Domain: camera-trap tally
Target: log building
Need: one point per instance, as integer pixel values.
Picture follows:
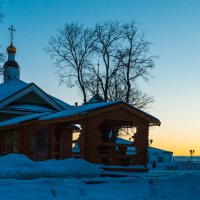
(42, 127)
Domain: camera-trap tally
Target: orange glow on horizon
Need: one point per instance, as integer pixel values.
(178, 142)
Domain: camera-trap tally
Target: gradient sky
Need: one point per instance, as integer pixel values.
(172, 25)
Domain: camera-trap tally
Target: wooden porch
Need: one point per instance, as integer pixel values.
(99, 128)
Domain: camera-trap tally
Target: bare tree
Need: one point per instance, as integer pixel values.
(137, 98)
(108, 35)
(71, 50)
(2, 58)
(136, 60)
(124, 55)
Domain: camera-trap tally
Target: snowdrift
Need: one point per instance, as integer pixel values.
(17, 166)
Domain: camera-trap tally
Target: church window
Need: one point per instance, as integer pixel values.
(11, 140)
(2, 143)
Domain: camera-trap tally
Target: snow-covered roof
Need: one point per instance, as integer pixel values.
(156, 150)
(95, 99)
(123, 141)
(78, 110)
(11, 87)
(14, 89)
(150, 149)
(30, 107)
(86, 108)
(21, 119)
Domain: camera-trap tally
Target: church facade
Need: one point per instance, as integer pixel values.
(42, 127)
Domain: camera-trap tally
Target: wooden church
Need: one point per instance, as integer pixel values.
(42, 127)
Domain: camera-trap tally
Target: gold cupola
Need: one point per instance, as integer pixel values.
(11, 69)
(11, 49)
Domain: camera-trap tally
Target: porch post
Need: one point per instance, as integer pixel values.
(51, 140)
(83, 139)
(141, 144)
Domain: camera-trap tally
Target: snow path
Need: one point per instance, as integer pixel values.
(183, 186)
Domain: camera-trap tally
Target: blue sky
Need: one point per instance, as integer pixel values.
(172, 25)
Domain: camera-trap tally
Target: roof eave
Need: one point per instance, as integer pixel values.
(80, 116)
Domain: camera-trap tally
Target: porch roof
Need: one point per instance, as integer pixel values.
(18, 120)
(80, 112)
(77, 113)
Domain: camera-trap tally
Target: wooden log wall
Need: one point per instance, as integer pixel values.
(34, 141)
(59, 137)
(141, 144)
(91, 136)
(60, 143)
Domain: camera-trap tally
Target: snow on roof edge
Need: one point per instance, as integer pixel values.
(11, 87)
(21, 119)
(88, 107)
(78, 110)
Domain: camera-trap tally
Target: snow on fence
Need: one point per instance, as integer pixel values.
(188, 165)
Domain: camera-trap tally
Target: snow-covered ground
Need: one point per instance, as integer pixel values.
(17, 166)
(157, 184)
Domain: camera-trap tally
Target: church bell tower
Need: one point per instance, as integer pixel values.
(11, 69)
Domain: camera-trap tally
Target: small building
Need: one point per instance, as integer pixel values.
(159, 155)
(154, 154)
(41, 126)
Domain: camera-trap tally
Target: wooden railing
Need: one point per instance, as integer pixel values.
(111, 153)
(188, 165)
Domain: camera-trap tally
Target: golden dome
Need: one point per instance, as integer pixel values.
(11, 49)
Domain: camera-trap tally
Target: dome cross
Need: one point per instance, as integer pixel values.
(12, 30)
